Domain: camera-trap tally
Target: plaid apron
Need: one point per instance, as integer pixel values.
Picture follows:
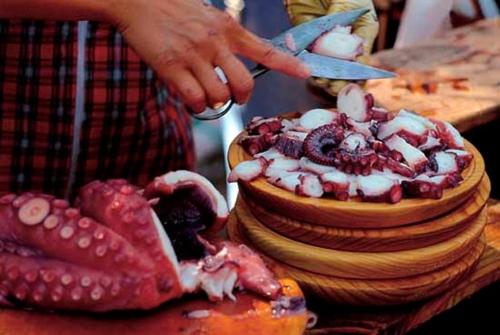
(77, 104)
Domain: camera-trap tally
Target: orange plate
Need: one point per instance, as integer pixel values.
(249, 315)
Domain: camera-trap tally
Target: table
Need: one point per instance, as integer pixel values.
(455, 77)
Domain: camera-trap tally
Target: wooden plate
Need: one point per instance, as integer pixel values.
(417, 235)
(372, 292)
(359, 265)
(354, 213)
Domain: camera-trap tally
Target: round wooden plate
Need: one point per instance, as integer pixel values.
(417, 235)
(354, 213)
(359, 265)
(372, 292)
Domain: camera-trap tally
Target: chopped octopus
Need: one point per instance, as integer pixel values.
(358, 150)
(121, 247)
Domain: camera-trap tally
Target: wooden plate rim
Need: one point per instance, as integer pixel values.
(348, 264)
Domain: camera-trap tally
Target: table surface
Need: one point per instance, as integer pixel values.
(455, 77)
(276, 94)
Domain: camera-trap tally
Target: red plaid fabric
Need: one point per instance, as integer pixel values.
(132, 127)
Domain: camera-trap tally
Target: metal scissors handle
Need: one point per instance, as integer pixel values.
(216, 113)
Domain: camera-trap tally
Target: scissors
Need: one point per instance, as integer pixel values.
(320, 66)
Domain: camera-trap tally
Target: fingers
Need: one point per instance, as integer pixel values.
(239, 79)
(216, 91)
(252, 47)
(187, 86)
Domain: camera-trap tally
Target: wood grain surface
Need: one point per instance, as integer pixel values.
(401, 319)
(413, 236)
(381, 292)
(454, 77)
(349, 214)
(359, 265)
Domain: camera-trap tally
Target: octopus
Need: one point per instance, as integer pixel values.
(358, 150)
(339, 42)
(120, 247)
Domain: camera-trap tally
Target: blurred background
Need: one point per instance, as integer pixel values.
(402, 23)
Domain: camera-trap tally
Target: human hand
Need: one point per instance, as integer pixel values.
(366, 27)
(183, 40)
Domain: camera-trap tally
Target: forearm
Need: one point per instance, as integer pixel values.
(96, 10)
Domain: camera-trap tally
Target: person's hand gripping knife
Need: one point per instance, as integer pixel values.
(366, 27)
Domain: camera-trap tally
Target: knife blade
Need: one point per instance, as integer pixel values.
(334, 68)
(306, 33)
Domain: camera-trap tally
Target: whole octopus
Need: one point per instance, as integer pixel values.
(121, 247)
(358, 150)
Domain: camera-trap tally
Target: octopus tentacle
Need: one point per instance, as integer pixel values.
(320, 144)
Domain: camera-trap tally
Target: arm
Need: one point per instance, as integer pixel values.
(94, 10)
(182, 40)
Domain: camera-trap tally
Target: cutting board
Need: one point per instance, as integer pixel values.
(249, 315)
(455, 77)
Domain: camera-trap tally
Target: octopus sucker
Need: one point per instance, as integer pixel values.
(361, 140)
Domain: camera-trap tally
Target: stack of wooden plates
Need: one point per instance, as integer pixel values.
(362, 253)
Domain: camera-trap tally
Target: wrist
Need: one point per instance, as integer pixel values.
(120, 12)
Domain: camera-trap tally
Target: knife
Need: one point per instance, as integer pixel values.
(320, 66)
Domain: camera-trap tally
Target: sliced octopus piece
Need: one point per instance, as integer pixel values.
(424, 121)
(412, 130)
(443, 162)
(307, 165)
(449, 135)
(269, 154)
(261, 126)
(254, 144)
(431, 144)
(248, 170)
(355, 103)
(464, 158)
(424, 186)
(338, 44)
(336, 183)
(375, 188)
(290, 144)
(316, 118)
(414, 158)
